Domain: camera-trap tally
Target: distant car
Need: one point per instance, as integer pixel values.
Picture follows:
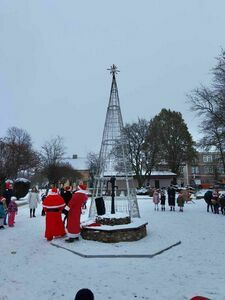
(142, 191)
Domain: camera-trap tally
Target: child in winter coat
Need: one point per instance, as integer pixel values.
(215, 201)
(180, 200)
(12, 211)
(162, 199)
(3, 210)
(156, 199)
(43, 196)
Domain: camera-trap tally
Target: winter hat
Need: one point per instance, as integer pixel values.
(82, 187)
(8, 185)
(2, 199)
(84, 294)
(54, 190)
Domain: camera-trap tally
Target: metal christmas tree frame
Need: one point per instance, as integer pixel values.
(114, 180)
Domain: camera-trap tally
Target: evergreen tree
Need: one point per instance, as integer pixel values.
(175, 143)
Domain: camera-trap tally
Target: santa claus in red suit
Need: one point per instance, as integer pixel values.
(53, 205)
(74, 212)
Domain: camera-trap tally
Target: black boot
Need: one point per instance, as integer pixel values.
(30, 213)
(34, 213)
(71, 240)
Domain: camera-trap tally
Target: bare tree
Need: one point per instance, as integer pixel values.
(140, 153)
(93, 165)
(17, 153)
(151, 148)
(52, 151)
(60, 173)
(51, 158)
(209, 105)
(214, 138)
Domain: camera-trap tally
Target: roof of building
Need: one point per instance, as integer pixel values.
(80, 163)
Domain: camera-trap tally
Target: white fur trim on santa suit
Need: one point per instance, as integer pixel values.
(52, 193)
(82, 191)
(73, 235)
(57, 206)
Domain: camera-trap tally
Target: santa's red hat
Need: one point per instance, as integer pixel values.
(82, 187)
(54, 190)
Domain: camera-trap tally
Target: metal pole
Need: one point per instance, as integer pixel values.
(113, 181)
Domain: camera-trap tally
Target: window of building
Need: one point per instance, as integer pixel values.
(182, 169)
(208, 169)
(220, 170)
(207, 158)
(217, 157)
(195, 170)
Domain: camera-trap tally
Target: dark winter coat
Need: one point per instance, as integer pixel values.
(208, 197)
(8, 193)
(67, 195)
(162, 199)
(171, 196)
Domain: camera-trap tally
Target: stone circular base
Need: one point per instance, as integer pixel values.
(114, 236)
(113, 221)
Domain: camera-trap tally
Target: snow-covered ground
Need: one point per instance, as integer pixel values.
(32, 268)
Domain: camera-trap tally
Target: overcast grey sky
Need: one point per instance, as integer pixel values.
(54, 57)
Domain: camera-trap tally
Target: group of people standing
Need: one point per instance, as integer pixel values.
(216, 200)
(55, 204)
(159, 197)
(8, 207)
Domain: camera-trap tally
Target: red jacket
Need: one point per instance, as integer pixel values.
(53, 205)
(75, 204)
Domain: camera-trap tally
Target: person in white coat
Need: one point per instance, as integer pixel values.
(33, 200)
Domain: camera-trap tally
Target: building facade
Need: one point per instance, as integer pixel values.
(206, 171)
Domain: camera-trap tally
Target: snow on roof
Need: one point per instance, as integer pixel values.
(163, 173)
(79, 163)
(22, 180)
